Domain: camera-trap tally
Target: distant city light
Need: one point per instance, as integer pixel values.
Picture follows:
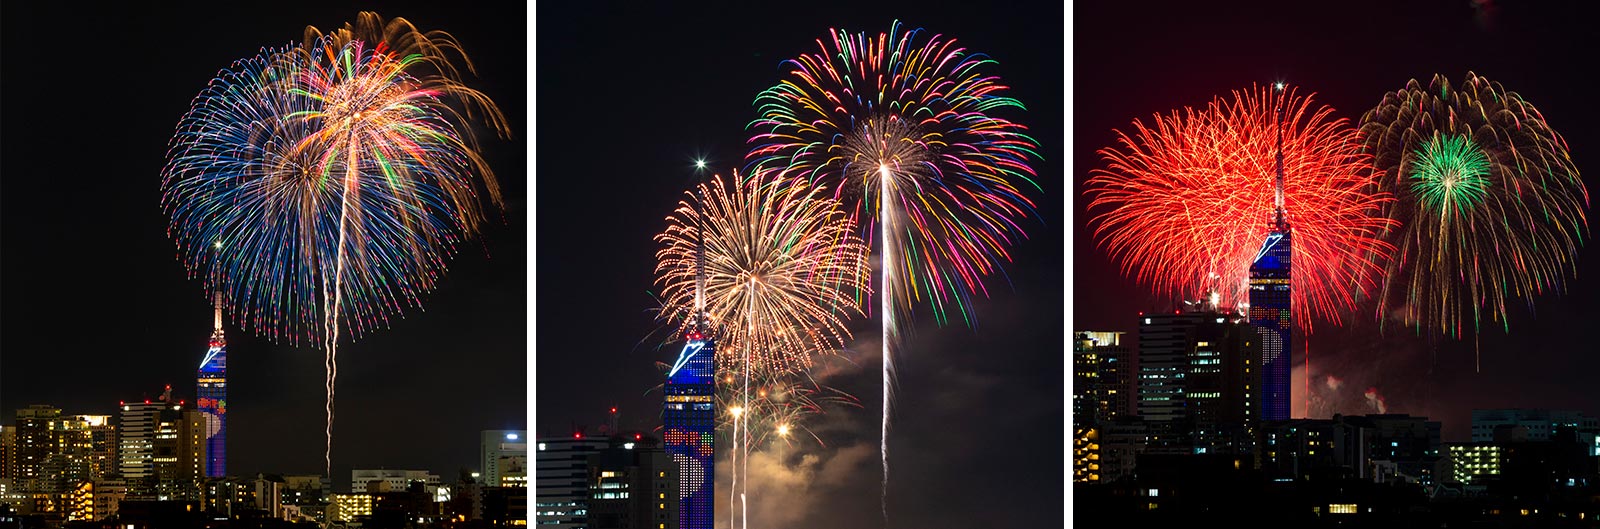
(511, 436)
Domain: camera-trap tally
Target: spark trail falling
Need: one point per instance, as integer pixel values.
(772, 268)
(1490, 209)
(337, 179)
(899, 125)
(1182, 203)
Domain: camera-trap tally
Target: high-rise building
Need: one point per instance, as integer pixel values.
(633, 484)
(1199, 381)
(211, 391)
(504, 458)
(1103, 385)
(689, 420)
(561, 492)
(70, 461)
(8, 457)
(103, 443)
(1270, 313)
(1164, 345)
(140, 424)
(34, 443)
(179, 453)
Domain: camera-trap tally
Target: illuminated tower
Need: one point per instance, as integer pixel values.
(212, 390)
(1269, 301)
(689, 416)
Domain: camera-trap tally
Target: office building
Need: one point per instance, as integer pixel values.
(142, 422)
(211, 392)
(503, 458)
(1199, 381)
(1104, 374)
(689, 422)
(1529, 424)
(386, 480)
(633, 484)
(8, 457)
(1473, 463)
(561, 490)
(108, 494)
(103, 441)
(70, 459)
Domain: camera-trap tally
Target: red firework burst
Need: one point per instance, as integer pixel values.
(1185, 206)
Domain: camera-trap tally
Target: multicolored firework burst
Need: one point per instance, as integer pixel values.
(322, 187)
(772, 268)
(902, 125)
(1491, 208)
(1184, 204)
(782, 266)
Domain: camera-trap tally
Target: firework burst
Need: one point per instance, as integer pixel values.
(782, 266)
(1184, 203)
(1490, 207)
(321, 188)
(900, 126)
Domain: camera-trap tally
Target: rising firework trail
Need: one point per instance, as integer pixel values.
(1180, 201)
(337, 176)
(772, 268)
(899, 125)
(1491, 208)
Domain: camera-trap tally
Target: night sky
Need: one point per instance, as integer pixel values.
(629, 98)
(1132, 61)
(97, 307)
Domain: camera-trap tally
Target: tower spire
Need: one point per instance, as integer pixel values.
(700, 251)
(216, 321)
(1277, 198)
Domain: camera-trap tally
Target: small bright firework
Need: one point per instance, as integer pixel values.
(1185, 204)
(323, 187)
(1491, 208)
(782, 264)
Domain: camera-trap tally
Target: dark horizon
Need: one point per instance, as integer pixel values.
(98, 308)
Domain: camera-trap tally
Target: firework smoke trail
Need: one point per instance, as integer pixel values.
(335, 178)
(920, 106)
(1491, 207)
(886, 217)
(1187, 198)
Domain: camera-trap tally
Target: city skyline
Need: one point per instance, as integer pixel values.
(1348, 56)
(102, 279)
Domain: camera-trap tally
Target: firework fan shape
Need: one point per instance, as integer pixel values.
(326, 164)
(915, 111)
(1185, 204)
(1491, 209)
(782, 264)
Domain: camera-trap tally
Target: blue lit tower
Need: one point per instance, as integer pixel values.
(1269, 301)
(212, 389)
(689, 416)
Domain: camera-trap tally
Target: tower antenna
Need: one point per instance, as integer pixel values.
(700, 251)
(1277, 198)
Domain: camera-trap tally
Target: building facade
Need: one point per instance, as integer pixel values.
(366, 481)
(504, 458)
(633, 484)
(34, 441)
(561, 490)
(211, 391)
(1104, 373)
(689, 420)
(1529, 424)
(1270, 312)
